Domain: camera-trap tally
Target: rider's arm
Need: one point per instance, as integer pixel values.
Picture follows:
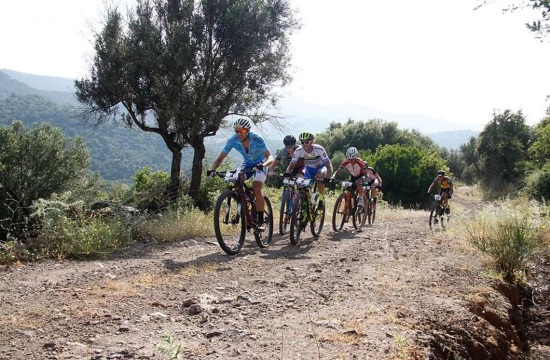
(268, 159)
(218, 161)
(274, 165)
(328, 164)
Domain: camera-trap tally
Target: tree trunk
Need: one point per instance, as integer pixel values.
(196, 172)
(174, 188)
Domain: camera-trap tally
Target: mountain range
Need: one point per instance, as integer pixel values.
(117, 153)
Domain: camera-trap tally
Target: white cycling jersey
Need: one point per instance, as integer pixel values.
(314, 159)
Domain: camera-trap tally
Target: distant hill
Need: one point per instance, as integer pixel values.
(453, 139)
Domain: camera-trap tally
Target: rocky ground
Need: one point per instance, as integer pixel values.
(394, 291)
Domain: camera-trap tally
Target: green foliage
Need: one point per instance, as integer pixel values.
(510, 234)
(540, 148)
(34, 164)
(502, 150)
(70, 231)
(368, 135)
(169, 348)
(537, 184)
(407, 172)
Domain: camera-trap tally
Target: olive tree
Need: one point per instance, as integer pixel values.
(179, 68)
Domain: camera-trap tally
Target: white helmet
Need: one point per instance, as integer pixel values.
(352, 153)
(242, 123)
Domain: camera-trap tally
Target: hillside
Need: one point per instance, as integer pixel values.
(116, 153)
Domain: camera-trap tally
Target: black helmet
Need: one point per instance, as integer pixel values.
(441, 172)
(289, 140)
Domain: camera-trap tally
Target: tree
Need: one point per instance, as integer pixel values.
(540, 27)
(540, 148)
(178, 68)
(502, 150)
(35, 164)
(406, 172)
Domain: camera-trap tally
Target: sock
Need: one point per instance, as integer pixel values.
(260, 217)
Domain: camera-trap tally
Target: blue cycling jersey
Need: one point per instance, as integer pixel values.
(255, 153)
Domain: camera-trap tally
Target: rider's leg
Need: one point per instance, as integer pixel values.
(257, 184)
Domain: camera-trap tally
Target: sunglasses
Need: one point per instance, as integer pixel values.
(289, 147)
(240, 131)
(306, 142)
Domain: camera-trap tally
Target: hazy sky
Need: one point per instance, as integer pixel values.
(429, 57)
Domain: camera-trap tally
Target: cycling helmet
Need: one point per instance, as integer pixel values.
(441, 172)
(352, 153)
(242, 123)
(305, 136)
(289, 140)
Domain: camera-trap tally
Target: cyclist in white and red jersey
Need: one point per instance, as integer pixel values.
(361, 171)
(318, 165)
(357, 169)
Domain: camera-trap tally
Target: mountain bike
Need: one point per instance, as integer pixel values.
(305, 210)
(370, 208)
(440, 213)
(287, 200)
(347, 206)
(235, 214)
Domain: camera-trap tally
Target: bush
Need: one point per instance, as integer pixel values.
(537, 184)
(510, 235)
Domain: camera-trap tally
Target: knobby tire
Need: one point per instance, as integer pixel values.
(231, 234)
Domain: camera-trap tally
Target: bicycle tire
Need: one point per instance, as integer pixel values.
(316, 225)
(339, 213)
(229, 236)
(285, 212)
(359, 217)
(297, 221)
(263, 239)
(433, 215)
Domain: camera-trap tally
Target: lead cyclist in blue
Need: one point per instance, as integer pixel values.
(255, 154)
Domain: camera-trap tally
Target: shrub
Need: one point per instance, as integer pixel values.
(510, 235)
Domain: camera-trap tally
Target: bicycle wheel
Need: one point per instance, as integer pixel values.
(298, 219)
(360, 215)
(263, 238)
(444, 218)
(285, 212)
(339, 213)
(434, 215)
(318, 217)
(229, 222)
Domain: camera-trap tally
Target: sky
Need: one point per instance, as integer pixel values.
(436, 58)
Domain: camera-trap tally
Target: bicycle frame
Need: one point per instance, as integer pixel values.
(244, 192)
(287, 203)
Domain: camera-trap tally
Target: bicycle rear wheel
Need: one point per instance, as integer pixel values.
(263, 238)
(229, 222)
(298, 219)
(339, 213)
(318, 217)
(285, 212)
(360, 215)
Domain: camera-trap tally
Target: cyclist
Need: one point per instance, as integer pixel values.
(374, 181)
(445, 189)
(286, 153)
(255, 154)
(357, 168)
(317, 163)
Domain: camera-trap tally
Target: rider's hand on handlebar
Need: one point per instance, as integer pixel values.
(287, 175)
(210, 173)
(326, 180)
(260, 166)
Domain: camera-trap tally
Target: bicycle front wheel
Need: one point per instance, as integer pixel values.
(263, 238)
(318, 218)
(360, 215)
(433, 215)
(339, 213)
(285, 212)
(298, 219)
(229, 222)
